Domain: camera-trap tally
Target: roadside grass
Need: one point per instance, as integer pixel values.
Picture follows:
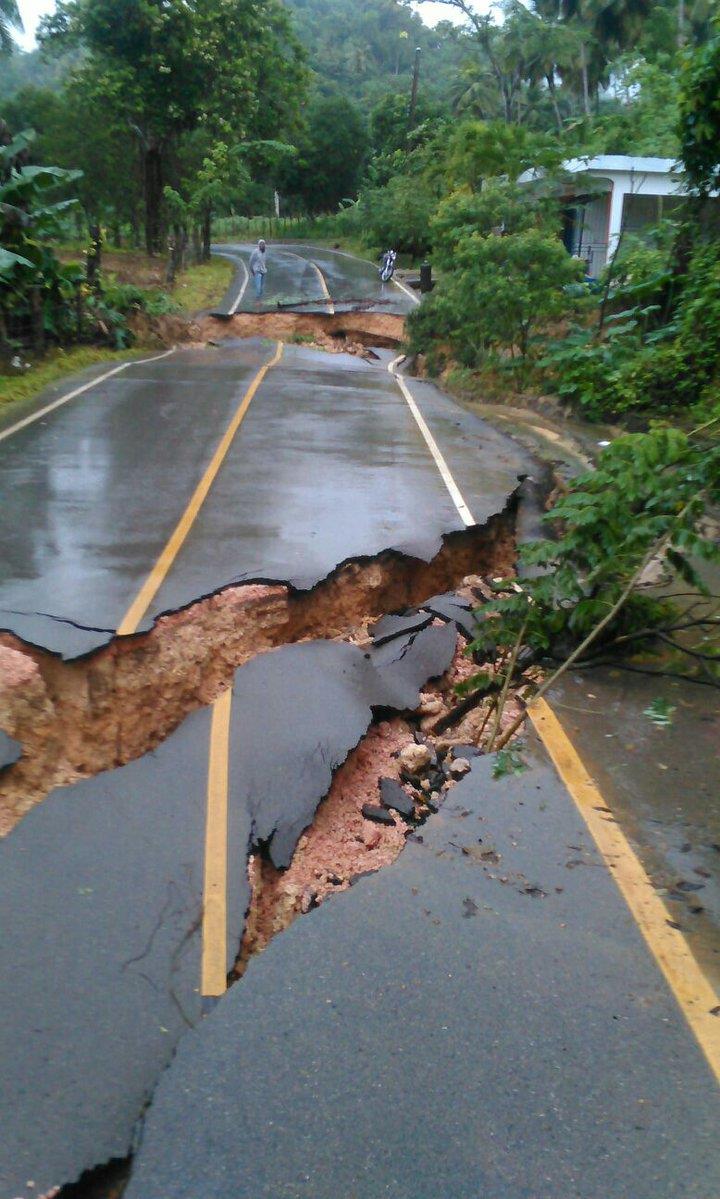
(196, 287)
(24, 385)
(202, 286)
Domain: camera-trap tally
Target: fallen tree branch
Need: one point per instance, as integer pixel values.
(658, 547)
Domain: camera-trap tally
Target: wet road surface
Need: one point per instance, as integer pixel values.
(663, 782)
(455, 1025)
(326, 465)
(314, 279)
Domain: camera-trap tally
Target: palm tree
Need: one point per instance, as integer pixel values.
(9, 19)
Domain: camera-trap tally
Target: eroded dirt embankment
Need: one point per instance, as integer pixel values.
(75, 719)
(346, 332)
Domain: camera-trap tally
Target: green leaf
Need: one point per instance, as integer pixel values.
(660, 712)
(509, 762)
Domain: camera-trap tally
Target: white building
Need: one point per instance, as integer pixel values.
(614, 191)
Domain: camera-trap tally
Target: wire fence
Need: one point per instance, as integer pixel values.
(278, 228)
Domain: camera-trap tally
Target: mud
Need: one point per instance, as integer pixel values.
(339, 845)
(77, 718)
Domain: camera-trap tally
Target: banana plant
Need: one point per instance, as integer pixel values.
(28, 218)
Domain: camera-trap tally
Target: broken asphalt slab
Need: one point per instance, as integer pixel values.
(537, 1053)
(102, 893)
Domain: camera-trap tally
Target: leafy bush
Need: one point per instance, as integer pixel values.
(503, 290)
(500, 206)
(398, 215)
(27, 219)
(648, 494)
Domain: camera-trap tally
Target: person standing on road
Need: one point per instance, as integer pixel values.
(258, 268)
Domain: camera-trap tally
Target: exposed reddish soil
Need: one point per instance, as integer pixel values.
(370, 328)
(78, 718)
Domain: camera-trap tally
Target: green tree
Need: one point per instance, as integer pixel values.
(501, 207)
(170, 66)
(9, 20)
(69, 134)
(700, 116)
(331, 155)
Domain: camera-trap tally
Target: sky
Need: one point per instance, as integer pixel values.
(32, 10)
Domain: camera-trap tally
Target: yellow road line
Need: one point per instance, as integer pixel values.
(157, 575)
(692, 990)
(324, 288)
(214, 922)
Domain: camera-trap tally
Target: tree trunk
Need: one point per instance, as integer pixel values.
(176, 246)
(153, 184)
(206, 234)
(196, 236)
(553, 96)
(94, 259)
(585, 84)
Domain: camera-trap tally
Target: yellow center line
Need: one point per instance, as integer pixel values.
(157, 575)
(214, 922)
(324, 288)
(692, 990)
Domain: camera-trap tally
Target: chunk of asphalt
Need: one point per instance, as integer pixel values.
(465, 751)
(390, 627)
(100, 964)
(10, 750)
(552, 986)
(392, 795)
(377, 814)
(405, 665)
(66, 638)
(452, 607)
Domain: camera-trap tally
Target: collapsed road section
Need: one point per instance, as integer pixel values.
(145, 882)
(478, 1019)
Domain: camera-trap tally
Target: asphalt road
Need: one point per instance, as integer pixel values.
(314, 279)
(327, 464)
(459, 1024)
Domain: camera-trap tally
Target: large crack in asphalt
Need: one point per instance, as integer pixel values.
(76, 718)
(106, 847)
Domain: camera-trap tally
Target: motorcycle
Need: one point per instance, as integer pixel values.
(387, 266)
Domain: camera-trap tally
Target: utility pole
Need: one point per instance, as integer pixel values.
(414, 91)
